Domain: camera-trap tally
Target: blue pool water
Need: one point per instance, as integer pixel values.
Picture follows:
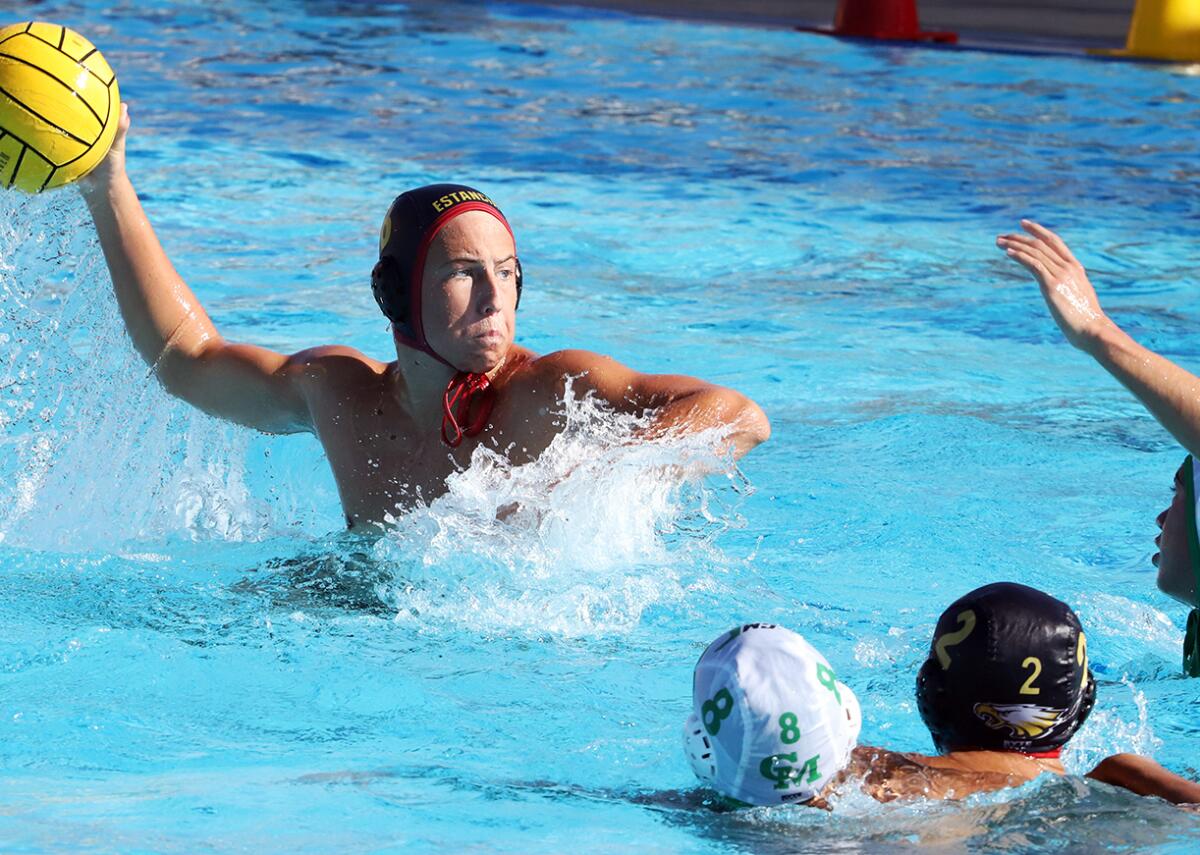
(193, 656)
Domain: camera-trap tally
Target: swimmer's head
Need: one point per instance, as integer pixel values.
(1177, 559)
(770, 722)
(1007, 671)
(448, 277)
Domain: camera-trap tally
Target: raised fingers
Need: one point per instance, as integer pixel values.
(1017, 239)
(1024, 247)
(1051, 239)
(1033, 262)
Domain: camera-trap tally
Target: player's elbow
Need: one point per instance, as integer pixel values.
(747, 418)
(181, 371)
(174, 371)
(758, 426)
(750, 425)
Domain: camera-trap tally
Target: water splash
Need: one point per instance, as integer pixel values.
(581, 541)
(95, 452)
(1107, 732)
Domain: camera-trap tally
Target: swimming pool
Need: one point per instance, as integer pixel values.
(193, 656)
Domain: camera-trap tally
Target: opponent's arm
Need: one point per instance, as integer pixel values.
(678, 402)
(1143, 776)
(170, 329)
(1171, 394)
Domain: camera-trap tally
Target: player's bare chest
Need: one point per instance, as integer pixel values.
(380, 453)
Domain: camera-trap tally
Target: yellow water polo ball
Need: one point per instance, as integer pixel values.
(59, 106)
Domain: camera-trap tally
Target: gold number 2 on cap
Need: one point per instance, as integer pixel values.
(1027, 688)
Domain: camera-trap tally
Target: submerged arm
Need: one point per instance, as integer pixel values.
(170, 329)
(1171, 394)
(677, 402)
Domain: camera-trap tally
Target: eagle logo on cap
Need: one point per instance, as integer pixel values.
(1027, 721)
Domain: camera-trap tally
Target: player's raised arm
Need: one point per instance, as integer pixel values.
(678, 402)
(1171, 394)
(170, 329)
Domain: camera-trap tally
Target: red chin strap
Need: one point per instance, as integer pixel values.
(462, 390)
(1046, 755)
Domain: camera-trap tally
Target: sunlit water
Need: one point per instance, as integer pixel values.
(193, 655)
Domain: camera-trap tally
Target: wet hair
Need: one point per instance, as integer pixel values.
(1008, 671)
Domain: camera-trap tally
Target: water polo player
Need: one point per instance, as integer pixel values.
(1007, 684)
(770, 723)
(449, 279)
(1005, 687)
(1171, 394)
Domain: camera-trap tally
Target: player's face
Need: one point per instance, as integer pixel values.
(469, 296)
(1174, 559)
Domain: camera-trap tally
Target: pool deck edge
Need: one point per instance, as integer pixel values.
(1054, 26)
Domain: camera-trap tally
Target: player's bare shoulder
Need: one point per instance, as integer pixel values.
(333, 363)
(554, 371)
(335, 373)
(528, 380)
(574, 361)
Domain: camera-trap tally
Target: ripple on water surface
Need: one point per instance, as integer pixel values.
(190, 658)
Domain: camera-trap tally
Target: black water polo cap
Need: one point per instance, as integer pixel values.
(1007, 671)
(411, 224)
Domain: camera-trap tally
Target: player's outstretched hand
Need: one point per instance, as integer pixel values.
(1065, 287)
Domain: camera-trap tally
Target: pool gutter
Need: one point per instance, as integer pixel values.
(1021, 26)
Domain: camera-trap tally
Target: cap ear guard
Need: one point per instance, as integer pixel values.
(699, 750)
(932, 702)
(853, 715)
(385, 285)
(1085, 703)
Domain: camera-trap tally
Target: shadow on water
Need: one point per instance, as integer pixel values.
(348, 578)
(1054, 815)
(158, 612)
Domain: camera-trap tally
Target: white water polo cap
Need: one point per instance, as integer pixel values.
(770, 724)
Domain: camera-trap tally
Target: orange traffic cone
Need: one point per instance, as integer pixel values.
(893, 20)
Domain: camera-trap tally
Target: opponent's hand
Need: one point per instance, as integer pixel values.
(1065, 287)
(113, 164)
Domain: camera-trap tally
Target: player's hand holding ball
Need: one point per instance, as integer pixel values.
(60, 107)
